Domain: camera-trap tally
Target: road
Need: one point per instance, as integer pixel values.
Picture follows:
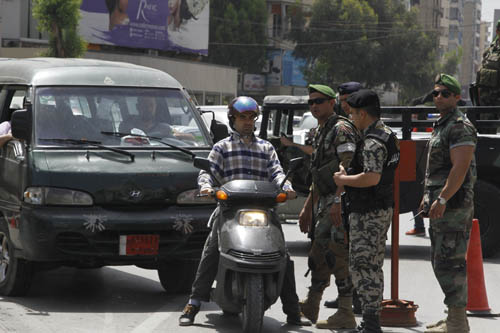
(130, 299)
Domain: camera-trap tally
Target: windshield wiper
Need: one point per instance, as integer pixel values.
(154, 138)
(93, 143)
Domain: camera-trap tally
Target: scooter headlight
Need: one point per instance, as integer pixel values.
(253, 218)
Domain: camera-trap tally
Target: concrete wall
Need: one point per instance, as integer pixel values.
(20, 52)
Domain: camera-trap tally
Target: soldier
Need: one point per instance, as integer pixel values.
(334, 144)
(448, 199)
(345, 89)
(368, 184)
(342, 109)
(488, 79)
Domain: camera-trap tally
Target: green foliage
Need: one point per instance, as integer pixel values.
(238, 34)
(60, 19)
(451, 61)
(376, 42)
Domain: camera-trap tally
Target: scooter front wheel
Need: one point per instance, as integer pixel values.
(253, 308)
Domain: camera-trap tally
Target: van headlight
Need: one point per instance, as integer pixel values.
(52, 196)
(253, 218)
(191, 197)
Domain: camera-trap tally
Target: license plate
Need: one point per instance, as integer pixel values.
(139, 245)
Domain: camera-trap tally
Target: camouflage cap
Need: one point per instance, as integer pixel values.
(322, 89)
(449, 82)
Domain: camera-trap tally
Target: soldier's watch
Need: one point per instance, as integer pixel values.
(442, 201)
(336, 199)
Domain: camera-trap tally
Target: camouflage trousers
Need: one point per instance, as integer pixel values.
(329, 255)
(367, 249)
(448, 250)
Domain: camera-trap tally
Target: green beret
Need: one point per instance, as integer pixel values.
(449, 82)
(325, 90)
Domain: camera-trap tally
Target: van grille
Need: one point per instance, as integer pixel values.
(264, 257)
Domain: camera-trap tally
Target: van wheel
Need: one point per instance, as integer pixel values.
(15, 274)
(177, 276)
(487, 211)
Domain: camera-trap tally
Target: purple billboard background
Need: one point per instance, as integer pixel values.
(143, 26)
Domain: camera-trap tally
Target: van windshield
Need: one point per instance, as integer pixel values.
(85, 112)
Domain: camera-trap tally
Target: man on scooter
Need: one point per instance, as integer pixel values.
(239, 156)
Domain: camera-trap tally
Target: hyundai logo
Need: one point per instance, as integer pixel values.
(134, 194)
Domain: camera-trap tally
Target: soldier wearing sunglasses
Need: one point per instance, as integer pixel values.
(334, 144)
(448, 200)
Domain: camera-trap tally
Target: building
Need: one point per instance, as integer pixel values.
(282, 73)
(484, 35)
(471, 44)
(207, 83)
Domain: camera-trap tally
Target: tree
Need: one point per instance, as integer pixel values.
(376, 42)
(60, 19)
(238, 34)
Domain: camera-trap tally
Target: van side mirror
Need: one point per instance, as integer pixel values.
(219, 130)
(21, 125)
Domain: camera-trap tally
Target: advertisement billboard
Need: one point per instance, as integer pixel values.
(178, 25)
(254, 82)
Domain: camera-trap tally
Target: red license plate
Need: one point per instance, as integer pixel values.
(139, 245)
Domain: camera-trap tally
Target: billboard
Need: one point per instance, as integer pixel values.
(178, 25)
(254, 82)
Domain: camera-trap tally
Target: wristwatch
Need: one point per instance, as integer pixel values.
(336, 199)
(442, 201)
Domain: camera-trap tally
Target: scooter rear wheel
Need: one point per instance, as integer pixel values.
(253, 309)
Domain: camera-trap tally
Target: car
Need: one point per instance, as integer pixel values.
(97, 173)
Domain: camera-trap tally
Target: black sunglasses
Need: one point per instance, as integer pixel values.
(318, 101)
(445, 93)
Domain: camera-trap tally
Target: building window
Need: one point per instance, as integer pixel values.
(212, 99)
(277, 19)
(227, 98)
(197, 97)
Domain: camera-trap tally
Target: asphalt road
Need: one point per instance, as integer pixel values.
(130, 299)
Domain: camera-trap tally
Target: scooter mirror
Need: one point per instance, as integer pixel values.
(202, 163)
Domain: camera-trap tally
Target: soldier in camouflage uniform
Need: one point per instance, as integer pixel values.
(368, 184)
(488, 79)
(334, 144)
(448, 200)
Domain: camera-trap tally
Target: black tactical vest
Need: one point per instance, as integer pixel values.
(380, 196)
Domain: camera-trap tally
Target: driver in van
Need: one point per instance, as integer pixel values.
(147, 119)
(240, 156)
(148, 122)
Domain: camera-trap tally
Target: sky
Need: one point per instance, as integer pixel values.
(487, 10)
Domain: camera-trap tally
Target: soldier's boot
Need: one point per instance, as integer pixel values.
(356, 302)
(310, 306)
(370, 324)
(438, 323)
(457, 320)
(343, 318)
(455, 323)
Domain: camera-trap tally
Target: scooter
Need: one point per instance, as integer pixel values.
(252, 254)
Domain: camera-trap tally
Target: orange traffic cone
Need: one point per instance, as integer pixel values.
(477, 300)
